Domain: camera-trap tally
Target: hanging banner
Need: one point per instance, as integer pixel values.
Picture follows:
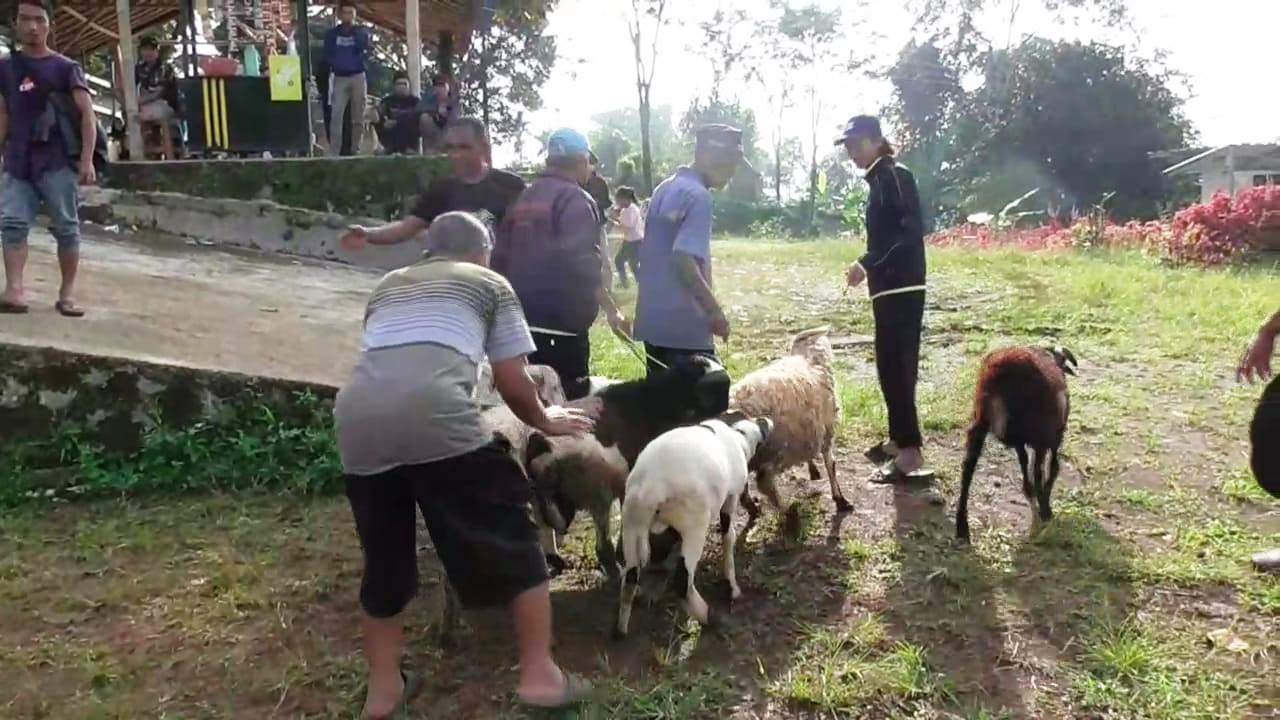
(286, 78)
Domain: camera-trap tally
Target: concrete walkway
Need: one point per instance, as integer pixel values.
(163, 300)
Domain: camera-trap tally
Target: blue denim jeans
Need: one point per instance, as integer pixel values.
(20, 202)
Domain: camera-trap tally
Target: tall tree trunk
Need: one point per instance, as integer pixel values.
(777, 171)
(813, 155)
(484, 78)
(646, 151)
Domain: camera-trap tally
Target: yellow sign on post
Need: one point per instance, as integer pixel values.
(286, 78)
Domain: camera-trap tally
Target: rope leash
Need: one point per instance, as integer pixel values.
(627, 341)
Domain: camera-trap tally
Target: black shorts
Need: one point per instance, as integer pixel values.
(476, 508)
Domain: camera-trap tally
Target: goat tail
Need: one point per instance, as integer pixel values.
(637, 517)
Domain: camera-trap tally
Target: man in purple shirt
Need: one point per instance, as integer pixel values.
(677, 315)
(38, 166)
(549, 248)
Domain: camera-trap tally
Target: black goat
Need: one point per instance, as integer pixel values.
(1022, 398)
(569, 474)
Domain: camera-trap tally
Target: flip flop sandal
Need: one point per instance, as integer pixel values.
(576, 689)
(413, 685)
(67, 308)
(8, 308)
(878, 454)
(893, 475)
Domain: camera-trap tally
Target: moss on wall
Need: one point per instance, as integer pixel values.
(382, 187)
(115, 401)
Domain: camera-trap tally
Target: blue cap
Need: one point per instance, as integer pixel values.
(860, 126)
(565, 142)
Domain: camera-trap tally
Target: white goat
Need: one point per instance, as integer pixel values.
(681, 481)
(798, 392)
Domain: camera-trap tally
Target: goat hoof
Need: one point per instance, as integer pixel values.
(843, 506)
(617, 634)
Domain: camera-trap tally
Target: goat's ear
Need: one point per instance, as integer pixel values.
(537, 446)
(766, 429)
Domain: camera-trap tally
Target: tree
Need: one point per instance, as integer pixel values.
(1077, 120)
(809, 45)
(786, 156)
(644, 26)
(727, 112)
(611, 146)
(502, 75)
(927, 97)
(729, 46)
(666, 150)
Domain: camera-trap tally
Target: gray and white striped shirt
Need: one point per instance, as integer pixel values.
(409, 399)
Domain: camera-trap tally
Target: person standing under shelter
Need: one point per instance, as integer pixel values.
(157, 92)
(346, 47)
(894, 269)
(473, 187)
(549, 247)
(40, 164)
(677, 314)
(410, 433)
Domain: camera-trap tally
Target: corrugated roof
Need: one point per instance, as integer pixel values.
(82, 26)
(1247, 149)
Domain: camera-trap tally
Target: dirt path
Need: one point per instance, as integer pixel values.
(161, 299)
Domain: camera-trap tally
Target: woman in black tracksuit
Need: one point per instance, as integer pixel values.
(894, 270)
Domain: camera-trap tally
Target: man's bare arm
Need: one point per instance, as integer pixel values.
(690, 276)
(88, 134)
(397, 232)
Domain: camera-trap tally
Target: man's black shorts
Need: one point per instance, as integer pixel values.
(476, 507)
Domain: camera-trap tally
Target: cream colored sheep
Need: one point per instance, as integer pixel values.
(798, 392)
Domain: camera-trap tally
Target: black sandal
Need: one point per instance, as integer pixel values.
(68, 308)
(879, 454)
(8, 308)
(893, 475)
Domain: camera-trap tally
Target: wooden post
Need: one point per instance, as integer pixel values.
(413, 43)
(302, 30)
(133, 128)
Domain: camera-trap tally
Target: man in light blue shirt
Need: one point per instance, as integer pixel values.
(677, 314)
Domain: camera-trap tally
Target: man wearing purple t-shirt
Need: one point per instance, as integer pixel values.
(37, 166)
(677, 314)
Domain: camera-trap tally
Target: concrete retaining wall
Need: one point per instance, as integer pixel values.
(253, 224)
(382, 187)
(43, 391)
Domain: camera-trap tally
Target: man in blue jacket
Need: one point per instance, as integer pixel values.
(345, 47)
(549, 248)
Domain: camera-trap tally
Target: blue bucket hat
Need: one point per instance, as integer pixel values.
(860, 126)
(566, 142)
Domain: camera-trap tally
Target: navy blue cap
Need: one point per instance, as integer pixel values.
(860, 126)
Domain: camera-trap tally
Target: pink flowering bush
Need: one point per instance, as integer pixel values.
(1207, 234)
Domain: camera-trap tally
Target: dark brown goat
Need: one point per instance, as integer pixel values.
(1022, 399)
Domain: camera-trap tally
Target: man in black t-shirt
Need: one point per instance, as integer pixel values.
(472, 187)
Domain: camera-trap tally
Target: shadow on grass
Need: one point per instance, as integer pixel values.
(1002, 617)
(669, 666)
(946, 602)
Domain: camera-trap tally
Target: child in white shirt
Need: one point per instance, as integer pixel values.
(628, 216)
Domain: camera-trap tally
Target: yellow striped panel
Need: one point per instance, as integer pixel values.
(207, 100)
(222, 111)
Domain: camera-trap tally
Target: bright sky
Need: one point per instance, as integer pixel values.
(1225, 48)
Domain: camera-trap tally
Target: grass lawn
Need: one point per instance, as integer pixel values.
(1137, 601)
